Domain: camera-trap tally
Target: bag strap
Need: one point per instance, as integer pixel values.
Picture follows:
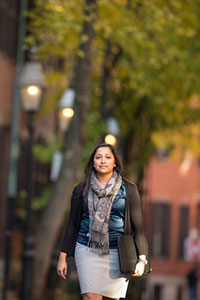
(127, 223)
(127, 226)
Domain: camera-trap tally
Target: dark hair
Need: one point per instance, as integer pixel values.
(89, 166)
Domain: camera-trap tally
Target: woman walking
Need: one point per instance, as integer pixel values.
(96, 221)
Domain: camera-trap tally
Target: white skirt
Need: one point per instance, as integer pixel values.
(100, 274)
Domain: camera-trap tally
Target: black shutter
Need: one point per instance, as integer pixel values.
(183, 228)
(160, 222)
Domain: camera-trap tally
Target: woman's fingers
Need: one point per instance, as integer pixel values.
(62, 273)
(62, 270)
(139, 270)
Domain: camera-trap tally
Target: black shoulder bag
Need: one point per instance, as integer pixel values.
(128, 254)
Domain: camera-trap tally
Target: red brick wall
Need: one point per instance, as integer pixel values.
(7, 71)
(176, 183)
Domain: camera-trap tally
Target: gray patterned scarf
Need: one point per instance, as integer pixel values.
(100, 202)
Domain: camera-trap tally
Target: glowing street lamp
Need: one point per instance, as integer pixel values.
(113, 131)
(66, 111)
(31, 84)
(110, 139)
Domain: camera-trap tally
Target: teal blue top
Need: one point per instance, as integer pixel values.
(116, 222)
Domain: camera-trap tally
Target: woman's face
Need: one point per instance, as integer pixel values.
(104, 160)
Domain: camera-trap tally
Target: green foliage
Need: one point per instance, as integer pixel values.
(55, 25)
(44, 153)
(56, 86)
(39, 203)
(156, 76)
(20, 207)
(96, 128)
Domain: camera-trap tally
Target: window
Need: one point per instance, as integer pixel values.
(160, 229)
(198, 216)
(179, 293)
(157, 292)
(8, 26)
(183, 228)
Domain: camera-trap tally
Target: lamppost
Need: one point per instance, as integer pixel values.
(66, 112)
(31, 83)
(113, 131)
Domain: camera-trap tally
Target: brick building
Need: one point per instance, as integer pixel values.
(171, 208)
(9, 11)
(9, 43)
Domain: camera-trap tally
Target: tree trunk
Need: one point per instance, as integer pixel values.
(53, 216)
(137, 144)
(109, 63)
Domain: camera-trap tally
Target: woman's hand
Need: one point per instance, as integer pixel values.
(62, 265)
(139, 269)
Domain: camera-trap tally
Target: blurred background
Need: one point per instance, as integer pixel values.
(75, 73)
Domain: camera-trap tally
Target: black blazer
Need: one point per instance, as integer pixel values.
(70, 236)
